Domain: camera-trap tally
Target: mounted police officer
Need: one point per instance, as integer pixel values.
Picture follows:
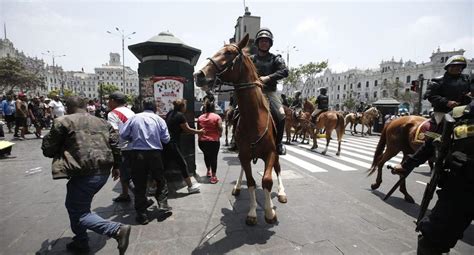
(297, 104)
(451, 89)
(454, 210)
(323, 103)
(271, 68)
(361, 108)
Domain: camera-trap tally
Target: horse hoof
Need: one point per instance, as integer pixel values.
(282, 199)
(323, 152)
(409, 199)
(338, 154)
(226, 144)
(374, 186)
(314, 147)
(271, 221)
(251, 221)
(236, 192)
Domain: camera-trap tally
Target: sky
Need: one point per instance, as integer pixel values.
(347, 33)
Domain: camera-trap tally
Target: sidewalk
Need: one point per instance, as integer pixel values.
(318, 218)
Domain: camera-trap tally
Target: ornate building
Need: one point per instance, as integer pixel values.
(391, 79)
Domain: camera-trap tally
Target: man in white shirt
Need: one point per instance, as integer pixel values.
(118, 115)
(57, 108)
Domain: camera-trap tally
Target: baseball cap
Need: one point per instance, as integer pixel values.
(118, 97)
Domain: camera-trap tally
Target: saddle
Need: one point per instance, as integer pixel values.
(426, 130)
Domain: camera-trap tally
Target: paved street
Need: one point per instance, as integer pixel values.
(330, 209)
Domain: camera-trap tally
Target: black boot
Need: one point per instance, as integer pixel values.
(280, 130)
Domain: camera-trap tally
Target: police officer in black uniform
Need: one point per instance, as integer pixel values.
(361, 107)
(271, 68)
(454, 210)
(323, 103)
(451, 89)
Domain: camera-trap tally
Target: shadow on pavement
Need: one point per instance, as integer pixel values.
(236, 234)
(400, 204)
(58, 246)
(232, 161)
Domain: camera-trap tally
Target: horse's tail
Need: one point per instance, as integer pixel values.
(378, 151)
(340, 124)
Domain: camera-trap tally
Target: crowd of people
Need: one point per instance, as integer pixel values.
(135, 147)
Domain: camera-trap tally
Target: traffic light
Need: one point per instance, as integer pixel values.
(414, 85)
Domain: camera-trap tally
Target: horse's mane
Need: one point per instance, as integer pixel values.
(252, 69)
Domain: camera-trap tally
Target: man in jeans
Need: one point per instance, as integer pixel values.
(85, 149)
(146, 133)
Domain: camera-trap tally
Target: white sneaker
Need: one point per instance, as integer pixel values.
(194, 188)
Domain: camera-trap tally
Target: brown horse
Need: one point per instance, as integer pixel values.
(398, 135)
(329, 121)
(255, 135)
(367, 118)
(291, 122)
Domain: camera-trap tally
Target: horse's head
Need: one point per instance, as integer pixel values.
(226, 66)
(373, 112)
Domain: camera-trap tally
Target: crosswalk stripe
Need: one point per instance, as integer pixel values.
(322, 159)
(344, 158)
(303, 164)
(356, 152)
(362, 140)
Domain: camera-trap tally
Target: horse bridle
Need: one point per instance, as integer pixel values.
(220, 70)
(238, 86)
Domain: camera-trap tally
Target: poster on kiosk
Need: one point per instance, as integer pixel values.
(165, 90)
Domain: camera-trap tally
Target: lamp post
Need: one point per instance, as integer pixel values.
(287, 52)
(123, 35)
(52, 55)
(100, 92)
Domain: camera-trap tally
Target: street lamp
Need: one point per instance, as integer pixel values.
(287, 52)
(121, 33)
(100, 92)
(52, 55)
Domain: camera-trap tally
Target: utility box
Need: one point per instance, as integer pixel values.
(385, 106)
(166, 73)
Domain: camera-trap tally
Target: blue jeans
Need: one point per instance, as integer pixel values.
(80, 191)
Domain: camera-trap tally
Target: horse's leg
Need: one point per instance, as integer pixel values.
(252, 215)
(355, 125)
(340, 132)
(226, 133)
(315, 133)
(281, 189)
(328, 140)
(267, 184)
(386, 156)
(403, 187)
(238, 183)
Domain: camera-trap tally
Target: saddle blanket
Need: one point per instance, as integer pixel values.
(426, 129)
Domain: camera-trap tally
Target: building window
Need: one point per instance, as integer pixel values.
(245, 28)
(408, 78)
(384, 93)
(367, 84)
(397, 79)
(344, 86)
(338, 87)
(337, 96)
(351, 85)
(375, 94)
(375, 83)
(358, 85)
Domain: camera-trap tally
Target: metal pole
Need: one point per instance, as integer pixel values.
(123, 63)
(420, 92)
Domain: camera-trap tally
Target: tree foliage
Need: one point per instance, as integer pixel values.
(55, 92)
(107, 89)
(310, 70)
(14, 75)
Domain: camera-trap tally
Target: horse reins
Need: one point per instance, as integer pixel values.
(236, 87)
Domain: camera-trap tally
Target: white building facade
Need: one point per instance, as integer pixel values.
(370, 85)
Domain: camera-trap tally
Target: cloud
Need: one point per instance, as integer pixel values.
(338, 67)
(427, 27)
(466, 43)
(315, 29)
